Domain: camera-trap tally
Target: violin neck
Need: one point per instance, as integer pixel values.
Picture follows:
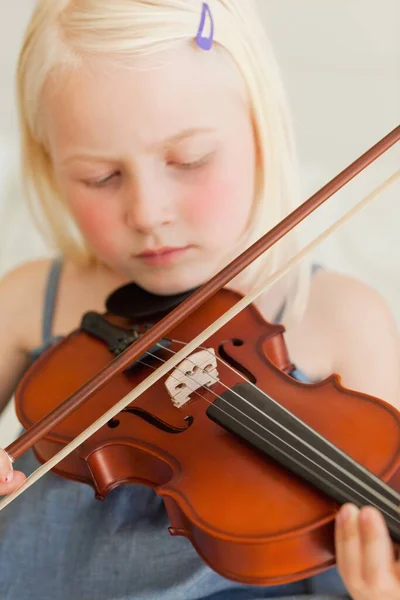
(266, 425)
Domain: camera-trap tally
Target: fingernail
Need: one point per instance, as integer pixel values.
(342, 514)
(9, 477)
(367, 513)
(346, 513)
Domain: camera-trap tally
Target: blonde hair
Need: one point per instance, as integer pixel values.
(62, 31)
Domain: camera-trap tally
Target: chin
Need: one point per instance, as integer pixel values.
(168, 286)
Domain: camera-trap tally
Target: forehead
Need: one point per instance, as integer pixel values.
(142, 99)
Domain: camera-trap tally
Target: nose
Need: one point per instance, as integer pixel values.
(148, 206)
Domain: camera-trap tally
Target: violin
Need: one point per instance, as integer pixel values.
(192, 395)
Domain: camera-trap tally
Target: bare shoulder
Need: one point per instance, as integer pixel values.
(21, 300)
(349, 301)
(23, 292)
(362, 334)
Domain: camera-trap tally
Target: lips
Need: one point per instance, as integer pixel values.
(162, 256)
(159, 252)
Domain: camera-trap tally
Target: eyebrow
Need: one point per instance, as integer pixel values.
(100, 157)
(188, 133)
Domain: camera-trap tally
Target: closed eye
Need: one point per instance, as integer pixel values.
(188, 166)
(98, 183)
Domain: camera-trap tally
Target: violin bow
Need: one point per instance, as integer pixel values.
(188, 306)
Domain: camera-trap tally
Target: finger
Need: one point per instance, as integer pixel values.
(6, 468)
(396, 550)
(376, 547)
(7, 488)
(348, 544)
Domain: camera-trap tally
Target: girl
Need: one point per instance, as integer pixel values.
(157, 153)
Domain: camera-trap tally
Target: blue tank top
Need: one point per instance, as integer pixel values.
(57, 542)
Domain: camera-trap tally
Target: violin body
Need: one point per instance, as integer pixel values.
(248, 517)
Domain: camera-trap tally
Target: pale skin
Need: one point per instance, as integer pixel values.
(145, 161)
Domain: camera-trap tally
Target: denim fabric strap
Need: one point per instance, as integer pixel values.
(50, 300)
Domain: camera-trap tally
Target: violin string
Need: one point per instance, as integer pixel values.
(324, 457)
(192, 345)
(304, 456)
(387, 488)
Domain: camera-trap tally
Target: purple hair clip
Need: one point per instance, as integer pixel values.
(205, 43)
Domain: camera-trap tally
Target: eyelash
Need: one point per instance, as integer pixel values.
(190, 165)
(101, 183)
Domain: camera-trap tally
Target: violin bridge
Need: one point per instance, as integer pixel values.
(197, 370)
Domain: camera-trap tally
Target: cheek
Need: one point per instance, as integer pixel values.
(97, 224)
(221, 207)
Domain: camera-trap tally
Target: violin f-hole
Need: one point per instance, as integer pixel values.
(152, 420)
(224, 354)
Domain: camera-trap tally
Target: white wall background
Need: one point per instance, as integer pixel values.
(341, 64)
